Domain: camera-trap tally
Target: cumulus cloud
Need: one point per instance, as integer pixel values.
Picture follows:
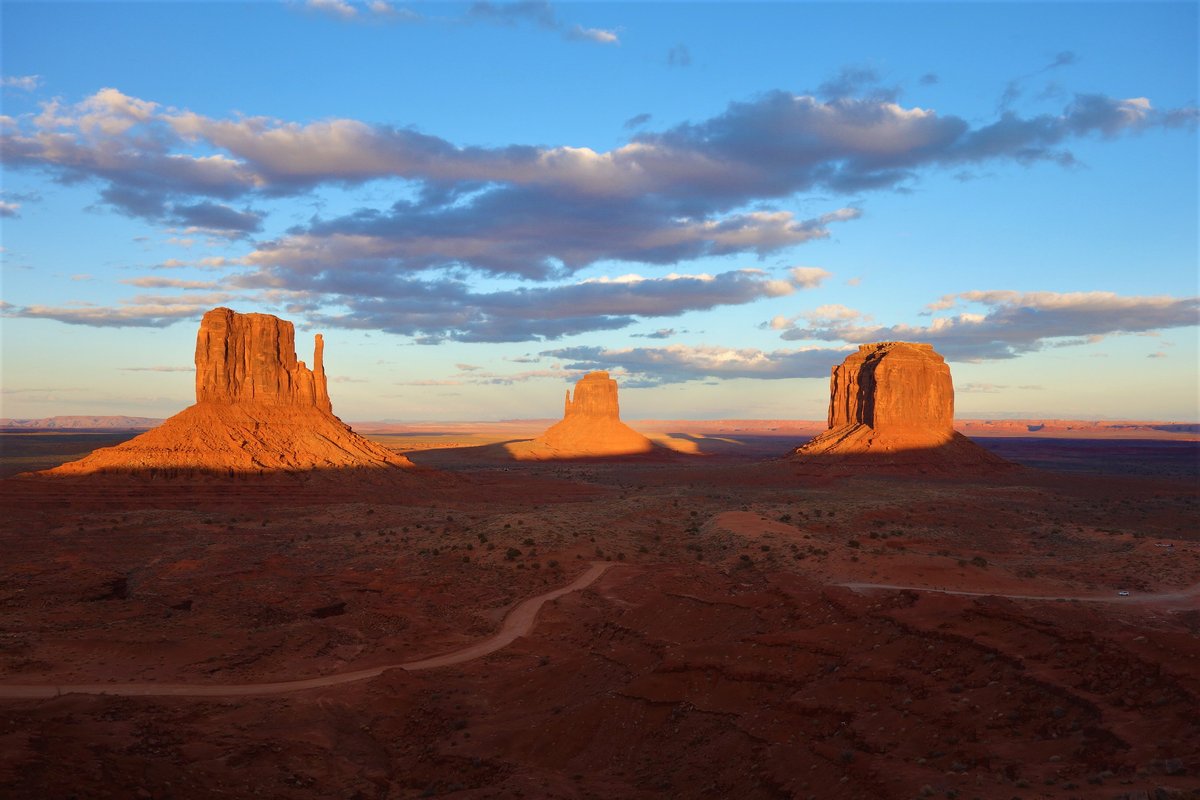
(530, 234)
(434, 311)
(707, 188)
(531, 211)
(653, 366)
(1005, 324)
(809, 277)
(218, 219)
(10, 210)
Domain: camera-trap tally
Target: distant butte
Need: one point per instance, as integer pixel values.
(892, 404)
(591, 426)
(258, 409)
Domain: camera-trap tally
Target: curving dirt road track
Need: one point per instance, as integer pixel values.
(1187, 597)
(518, 623)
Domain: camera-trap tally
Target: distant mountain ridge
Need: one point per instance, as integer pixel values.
(82, 423)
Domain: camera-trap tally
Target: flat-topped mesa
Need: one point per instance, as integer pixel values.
(258, 410)
(891, 404)
(251, 358)
(893, 385)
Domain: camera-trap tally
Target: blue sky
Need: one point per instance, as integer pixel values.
(478, 202)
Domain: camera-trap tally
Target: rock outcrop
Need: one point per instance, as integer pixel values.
(591, 426)
(251, 358)
(258, 409)
(892, 404)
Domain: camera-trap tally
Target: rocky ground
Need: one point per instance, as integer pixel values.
(722, 656)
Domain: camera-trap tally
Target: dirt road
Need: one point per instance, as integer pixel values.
(1187, 597)
(518, 623)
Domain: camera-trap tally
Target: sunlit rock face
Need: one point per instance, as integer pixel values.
(251, 358)
(258, 409)
(893, 386)
(591, 425)
(892, 404)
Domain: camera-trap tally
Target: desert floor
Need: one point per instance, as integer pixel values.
(750, 629)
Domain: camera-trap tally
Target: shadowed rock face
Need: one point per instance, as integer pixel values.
(591, 426)
(258, 409)
(892, 404)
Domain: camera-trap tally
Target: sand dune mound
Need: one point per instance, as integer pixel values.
(891, 404)
(258, 409)
(591, 426)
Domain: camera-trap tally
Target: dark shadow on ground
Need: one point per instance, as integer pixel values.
(1123, 457)
(33, 450)
(498, 455)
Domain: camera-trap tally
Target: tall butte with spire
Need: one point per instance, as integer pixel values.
(258, 409)
(591, 426)
(891, 404)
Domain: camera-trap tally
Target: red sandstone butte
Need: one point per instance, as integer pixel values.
(892, 404)
(258, 409)
(251, 358)
(591, 426)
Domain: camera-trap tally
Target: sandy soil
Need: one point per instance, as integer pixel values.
(719, 657)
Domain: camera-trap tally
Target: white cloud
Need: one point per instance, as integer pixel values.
(338, 8)
(1010, 322)
(599, 35)
(809, 277)
(25, 83)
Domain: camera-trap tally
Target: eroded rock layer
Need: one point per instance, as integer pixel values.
(258, 409)
(591, 426)
(892, 404)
